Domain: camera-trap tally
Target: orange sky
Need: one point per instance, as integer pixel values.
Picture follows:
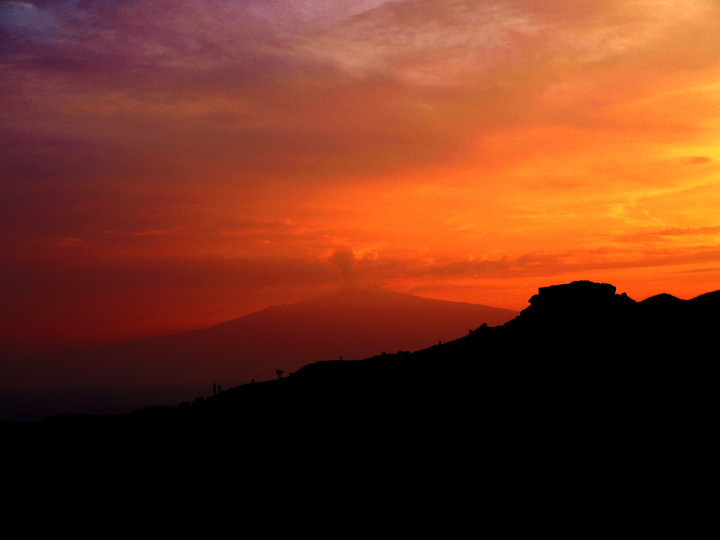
(167, 165)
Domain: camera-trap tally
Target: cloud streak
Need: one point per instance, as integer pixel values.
(284, 88)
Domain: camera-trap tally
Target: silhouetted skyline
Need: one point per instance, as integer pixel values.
(580, 352)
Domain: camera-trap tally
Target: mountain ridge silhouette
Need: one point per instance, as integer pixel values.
(570, 418)
(580, 329)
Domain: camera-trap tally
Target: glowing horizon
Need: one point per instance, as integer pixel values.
(168, 165)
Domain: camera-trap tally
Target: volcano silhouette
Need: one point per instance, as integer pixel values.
(352, 324)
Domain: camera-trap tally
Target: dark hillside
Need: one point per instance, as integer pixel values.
(578, 350)
(585, 391)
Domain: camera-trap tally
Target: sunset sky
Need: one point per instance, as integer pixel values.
(167, 165)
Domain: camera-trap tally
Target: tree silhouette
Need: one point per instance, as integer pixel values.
(279, 373)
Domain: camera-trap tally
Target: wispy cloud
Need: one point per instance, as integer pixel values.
(664, 234)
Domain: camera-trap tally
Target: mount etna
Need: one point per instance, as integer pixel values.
(351, 324)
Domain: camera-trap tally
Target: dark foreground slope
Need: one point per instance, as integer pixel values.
(579, 359)
(588, 405)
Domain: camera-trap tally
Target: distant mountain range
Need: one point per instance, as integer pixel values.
(352, 324)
